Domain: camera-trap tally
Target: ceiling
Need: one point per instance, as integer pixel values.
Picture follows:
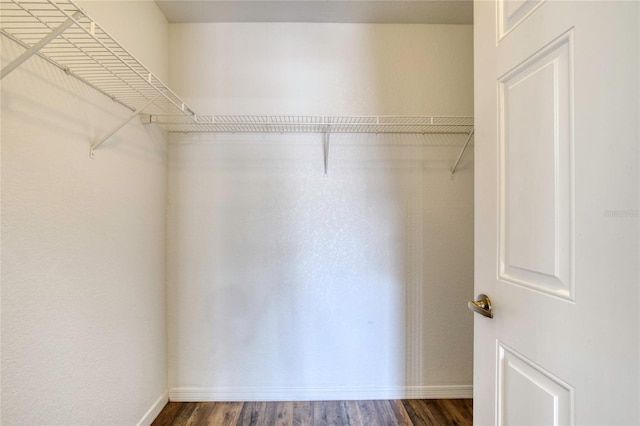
(338, 11)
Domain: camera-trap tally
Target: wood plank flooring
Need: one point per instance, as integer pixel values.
(423, 412)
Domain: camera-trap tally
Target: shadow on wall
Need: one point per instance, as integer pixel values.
(83, 253)
(285, 283)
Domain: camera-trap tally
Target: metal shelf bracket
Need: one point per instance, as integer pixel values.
(121, 125)
(325, 148)
(464, 147)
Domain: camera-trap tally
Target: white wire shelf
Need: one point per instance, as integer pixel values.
(63, 34)
(313, 124)
(83, 49)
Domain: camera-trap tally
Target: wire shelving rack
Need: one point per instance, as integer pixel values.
(63, 34)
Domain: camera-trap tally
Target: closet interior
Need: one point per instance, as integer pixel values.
(278, 257)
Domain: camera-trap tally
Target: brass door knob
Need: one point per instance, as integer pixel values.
(482, 306)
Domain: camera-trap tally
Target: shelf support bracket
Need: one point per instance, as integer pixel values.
(121, 125)
(325, 148)
(39, 45)
(464, 147)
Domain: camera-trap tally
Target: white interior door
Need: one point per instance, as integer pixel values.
(556, 207)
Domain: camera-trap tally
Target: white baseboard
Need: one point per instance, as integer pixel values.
(155, 409)
(194, 394)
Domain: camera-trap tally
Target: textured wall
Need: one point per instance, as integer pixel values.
(83, 247)
(288, 284)
(339, 69)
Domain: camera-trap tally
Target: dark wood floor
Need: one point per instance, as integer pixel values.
(436, 412)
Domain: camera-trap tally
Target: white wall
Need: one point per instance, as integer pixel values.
(339, 69)
(287, 284)
(140, 26)
(83, 244)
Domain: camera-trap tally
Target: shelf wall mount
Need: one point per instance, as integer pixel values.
(325, 148)
(464, 148)
(135, 114)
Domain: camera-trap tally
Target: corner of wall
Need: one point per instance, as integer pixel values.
(154, 410)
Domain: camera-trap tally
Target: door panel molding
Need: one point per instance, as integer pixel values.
(536, 161)
(527, 394)
(513, 13)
